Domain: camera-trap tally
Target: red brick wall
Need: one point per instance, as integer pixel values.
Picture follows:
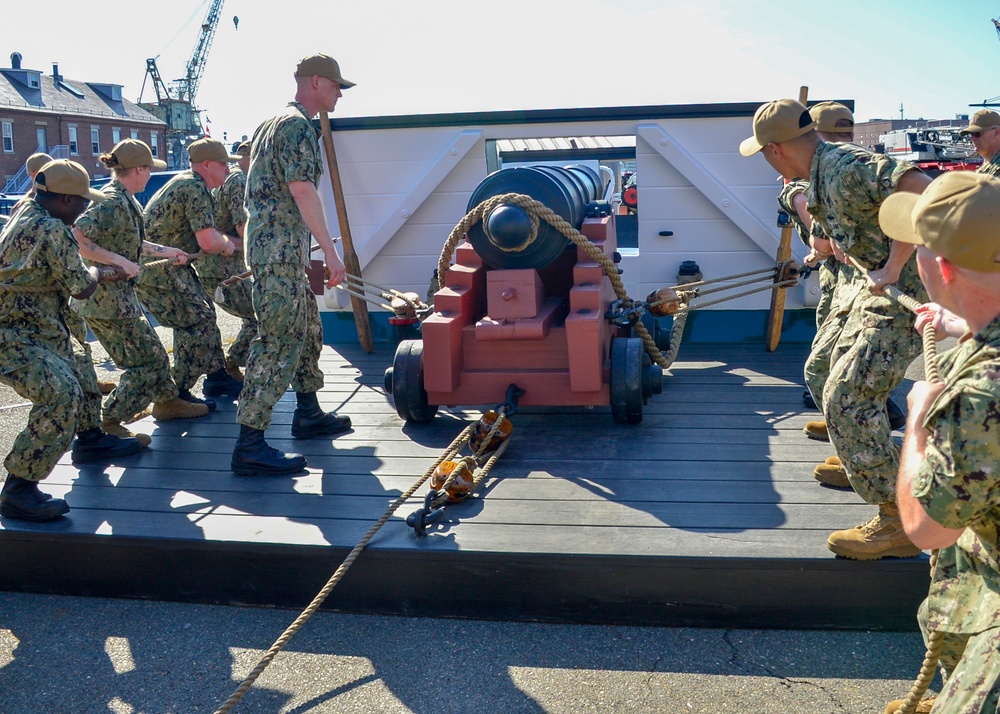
(57, 133)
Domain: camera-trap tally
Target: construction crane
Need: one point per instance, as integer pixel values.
(175, 107)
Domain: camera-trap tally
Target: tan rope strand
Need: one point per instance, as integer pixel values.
(301, 620)
(169, 261)
(935, 639)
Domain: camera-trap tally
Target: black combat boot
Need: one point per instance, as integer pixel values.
(221, 384)
(21, 499)
(309, 420)
(186, 395)
(94, 445)
(255, 457)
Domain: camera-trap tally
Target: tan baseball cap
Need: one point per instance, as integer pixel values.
(35, 162)
(210, 150)
(67, 178)
(957, 217)
(322, 66)
(982, 120)
(132, 152)
(243, 149)
(775, 122)
(828, 114)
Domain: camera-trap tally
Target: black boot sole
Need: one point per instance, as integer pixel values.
(313, 433)
(250, 470)
(8, 511)
(104, 456)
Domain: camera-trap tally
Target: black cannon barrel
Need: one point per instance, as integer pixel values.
(502, 238)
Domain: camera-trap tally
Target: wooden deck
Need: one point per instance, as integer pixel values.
(704, 514)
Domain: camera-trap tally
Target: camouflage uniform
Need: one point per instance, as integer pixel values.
(172, 293)
(957, 484)
(991, 167)
(113, 312)
(36, 357)
(213, 269)
(877, 342)
(290, 336)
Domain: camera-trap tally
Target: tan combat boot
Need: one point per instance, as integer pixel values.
(832, 473)
(105, 387)
(115, 428)
(923, 706)
(234, 370)
(816, 430)
(177, 408)
(881, 537)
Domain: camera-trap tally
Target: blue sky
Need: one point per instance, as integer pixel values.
(413, 56)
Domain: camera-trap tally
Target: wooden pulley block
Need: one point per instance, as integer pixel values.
(663, 302)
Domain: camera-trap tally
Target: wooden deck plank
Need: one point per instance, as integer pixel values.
(706, 513)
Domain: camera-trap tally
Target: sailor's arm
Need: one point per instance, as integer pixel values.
(96, 254)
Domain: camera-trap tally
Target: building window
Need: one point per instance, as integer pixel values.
(43, 142)
(135, 133)
(116, 135)
(154, 144)
(95, 140)
(74, 148)
(8, 137)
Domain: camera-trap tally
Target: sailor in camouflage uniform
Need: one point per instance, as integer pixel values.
(984, 131)
(283, 208)
(182, 215)
(230, 219)
(40, 267)
(113, 313)
(877, 343)
(949, 482)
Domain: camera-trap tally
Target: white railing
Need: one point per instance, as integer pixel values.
(21, 182)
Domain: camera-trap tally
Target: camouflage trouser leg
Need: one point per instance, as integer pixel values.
(89, 416)
(288, 344)
(827, 287)
(197, 342)
(50, 383)
(817, 368)
(135, 348)
(952, 647)
(237, 301)
(870, 359)
(974, 684)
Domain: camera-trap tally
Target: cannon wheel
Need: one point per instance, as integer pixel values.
(627, 398)
(408, 393)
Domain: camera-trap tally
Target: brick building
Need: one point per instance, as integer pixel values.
(866, 133)
(66, 118)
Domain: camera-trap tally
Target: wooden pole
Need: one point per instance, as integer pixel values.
(350, 257)
(777, 312)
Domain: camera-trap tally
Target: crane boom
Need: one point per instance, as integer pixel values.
(187, 87)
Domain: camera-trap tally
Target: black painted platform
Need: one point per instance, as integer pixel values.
(704, 514)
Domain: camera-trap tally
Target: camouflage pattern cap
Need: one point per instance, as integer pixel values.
(130, 153)
(982, 120)
(35, 163)
(832, 118)
(957, 217)
(67, 178)
(210, 150)
(322, 66)
(775, 122)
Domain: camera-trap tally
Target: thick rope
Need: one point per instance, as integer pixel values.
(301, 620)
(935, 639)
(170, 261)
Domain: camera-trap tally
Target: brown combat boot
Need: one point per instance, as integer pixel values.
(115, 428)
(923, 706)
(178, 408)
(881, 537)
(105, 387)
(234, 370)
(832, 473)
(816, 430)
